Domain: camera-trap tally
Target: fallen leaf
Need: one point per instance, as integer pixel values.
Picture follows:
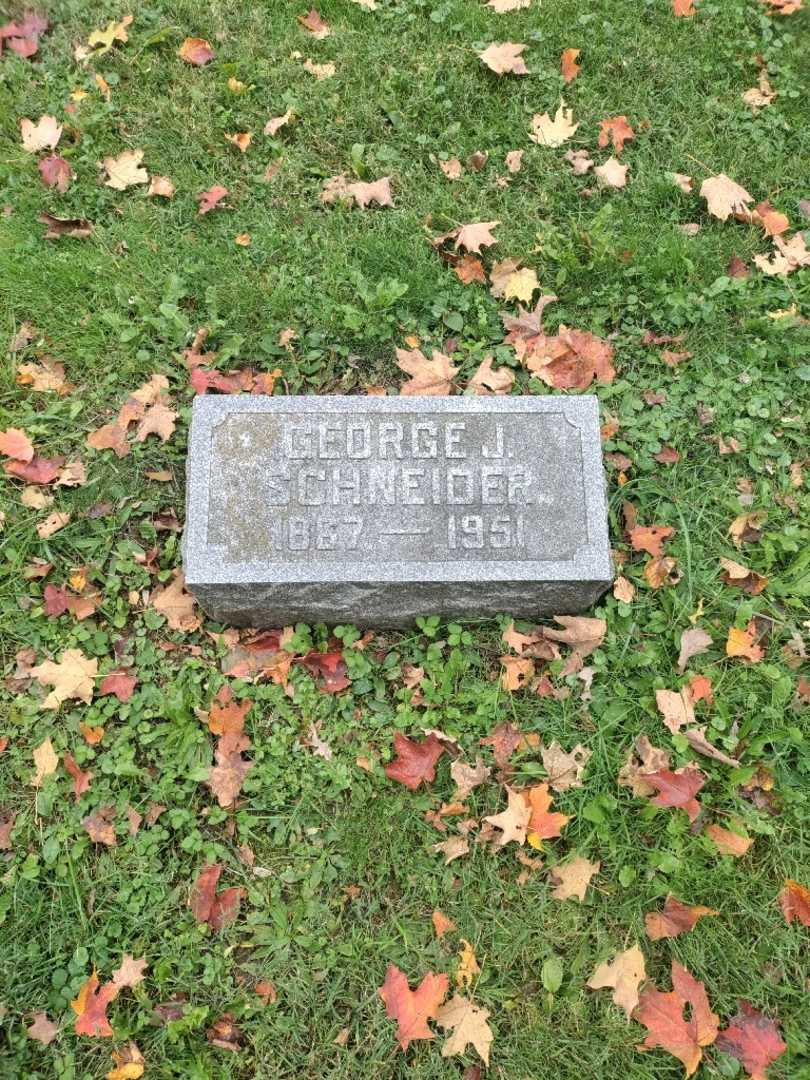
(441, 924)
(794, 900)
(162, 186)
(616, 130)
(415, 762)
(44, 376)
(727, 842)
(468, 1023)
(125, 170)
(276, 123)
(45, 763)
(129, 1063)
(42, 1029)
(684, 182)
(210, 199)
(176, 605)
(724, 197)
(130, 972)
(14, 443)
(742, 644)
(583, 635)
(52, 524)
(612, 173)
(196, 51)
(412, 1008)
(569, 68)
(747, 528)
(468, 968)
(743, 577)
(504, 58)
(429, 377)
(241, 140)
(572, 878)
(752, 1039)
(548, 132)
(80, 228)
(99, 826)
(91, 1008)
(772, 221)
(512, 822)
(208, 906)
(504, 6)
(266, 991)
(81, 780)
(313, 23)
(225, 1033)
(158, 420)
(468, 777)
(683, 8)
(579, 161)
(226, 777)
(486, 381)
(542, 825)
(791, 255)
(514, 161)
(693, 643)
(663, 1016)
(516, 672)
(650, 538)
(44, 135)
(565, 770)
(624, 590)
(521, 285)
(55, 172)
(504, 740)
(623, 975)
(677, 789)
(452, 848)
(675, 918)
(72, 677)
(476, 235)
(320, 71)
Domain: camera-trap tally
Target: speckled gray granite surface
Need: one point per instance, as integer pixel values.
(373, 510)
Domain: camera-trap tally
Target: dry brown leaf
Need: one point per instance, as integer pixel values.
(693, 643)
(240, 139)
(651, 759)
(579, 161)
(728, 842)
(315, 24)
(320, 71)
(486, 381)
(453, 848)
(125, 170)
(513, 821)
(52, 524)
(468, 1023)
(675, 918)
(514, 161)
(548, 132)
(616, 130)
(504, 58)
(196, 51)
(612, 173)
(451, 168)
(44, 135)
(468, 777)
(476, 235)
(565, 770)
(72, 677)
(623, 975)
(177, 605)
(572, 878)
(724, 197)
(429, 377)
(45, 763)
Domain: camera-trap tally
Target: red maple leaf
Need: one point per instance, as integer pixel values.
(209, 199)
(677, 789)
(119, 683)
(217, 909)
(330, 667)
(81, 780)
(91, 1008)
(414, 761)
(412, 1008)
(38, 470)
(753, 1040)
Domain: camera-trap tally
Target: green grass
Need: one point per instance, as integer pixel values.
(353, 285)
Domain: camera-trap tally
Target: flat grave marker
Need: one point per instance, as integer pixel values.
(374, 510)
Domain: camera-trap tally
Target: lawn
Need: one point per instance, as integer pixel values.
(704, 421)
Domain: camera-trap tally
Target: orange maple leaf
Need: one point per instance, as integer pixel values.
(542, 824)
(663, 1016)
(91, 1007)
(412, 1008)
(616, 130)
(568, 64)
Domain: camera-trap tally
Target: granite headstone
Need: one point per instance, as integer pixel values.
(374, 510)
